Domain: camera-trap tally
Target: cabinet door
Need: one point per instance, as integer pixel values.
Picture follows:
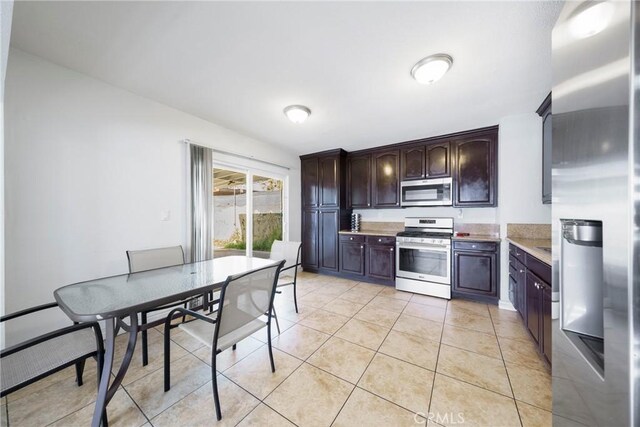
(352, 258)
(438, 160)
(329, 181)
(546, 156)
(310, 182)
(533, 306)
(329, 227)
(386, 183)
(310, 239)
(412, 163)
(475, 174)
(546, 322)
(359, 181)
(381, 262)
(475, 273)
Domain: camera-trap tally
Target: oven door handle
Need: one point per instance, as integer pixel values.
(425, 248)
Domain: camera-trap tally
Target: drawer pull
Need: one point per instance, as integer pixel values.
(473, 246)
(379, 240)
(350, 238)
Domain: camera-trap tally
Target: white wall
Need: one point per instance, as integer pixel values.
(519, 189)
(520, 181)
(6, 15)
(89, 169)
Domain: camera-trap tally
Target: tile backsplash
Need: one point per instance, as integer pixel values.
(529, 231)
(492, 230)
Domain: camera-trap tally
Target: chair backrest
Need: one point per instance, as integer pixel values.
(148, 259)
(288, 251)
(245, 298)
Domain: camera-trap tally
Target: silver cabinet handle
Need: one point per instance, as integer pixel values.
(368, 204)
(362, 247)
(379, 240)
(521, 271)
(391, 249)
(350, 238)
(473, 246)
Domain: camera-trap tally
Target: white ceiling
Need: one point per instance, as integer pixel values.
(238, 64)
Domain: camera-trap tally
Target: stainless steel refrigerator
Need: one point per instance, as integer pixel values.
(596, 214)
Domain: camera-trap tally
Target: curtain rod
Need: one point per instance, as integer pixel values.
(188, 141)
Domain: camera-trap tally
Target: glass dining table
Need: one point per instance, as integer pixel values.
(114, 298)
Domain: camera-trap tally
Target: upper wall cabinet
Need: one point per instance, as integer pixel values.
(475, 169)
(544, 111)
(412, 162)
(438, 160)
(386, 179)
(359, 181)
(310, 178)
(427, 160)
(329, 181)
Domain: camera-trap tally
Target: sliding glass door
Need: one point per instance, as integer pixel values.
(246, 222)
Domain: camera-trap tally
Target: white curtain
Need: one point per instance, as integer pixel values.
(201, 202)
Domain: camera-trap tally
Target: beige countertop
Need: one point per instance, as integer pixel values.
(532, 246)
(387, 233)
(477, 238)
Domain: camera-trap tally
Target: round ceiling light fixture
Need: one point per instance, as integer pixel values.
(297, 113)
(590, 18)
(431, 69)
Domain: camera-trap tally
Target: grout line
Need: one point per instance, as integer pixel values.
(433, 384)
(504, 364)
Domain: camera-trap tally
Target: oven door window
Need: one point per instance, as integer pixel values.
(424, 262)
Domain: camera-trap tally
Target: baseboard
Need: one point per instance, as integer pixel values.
(506, 305)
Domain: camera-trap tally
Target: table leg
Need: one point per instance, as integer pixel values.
(106, 392)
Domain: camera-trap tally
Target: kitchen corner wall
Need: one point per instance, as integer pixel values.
(519, 190)
(89, 168)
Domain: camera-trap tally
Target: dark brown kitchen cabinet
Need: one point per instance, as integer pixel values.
(475, 170)
(544, 111)
(310, 231)
(412, 162)
(438, 162)
(372, 258)
(533, 306)
(329, 227)
(359, 181)
(310, 175)
(381, 258)
(532, 278)
(546, 322)
(352, 254)
(329, 186)
(475, 270)
(385, 186)
(324, 211)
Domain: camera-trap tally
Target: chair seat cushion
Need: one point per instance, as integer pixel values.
(203, 332)
(27, 364)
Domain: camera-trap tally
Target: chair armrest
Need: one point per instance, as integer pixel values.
(28, 311)
(50, 335)
(191, 313)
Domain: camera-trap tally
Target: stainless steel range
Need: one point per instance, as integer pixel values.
(423, 256)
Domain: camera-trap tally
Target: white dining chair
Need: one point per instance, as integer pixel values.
(244, 301)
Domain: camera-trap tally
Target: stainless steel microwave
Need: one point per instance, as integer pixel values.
(426, 192)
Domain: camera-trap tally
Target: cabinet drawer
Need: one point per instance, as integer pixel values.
(541, 269)
(516, 252)
(352, 238)
(381, 240)
(475, 246)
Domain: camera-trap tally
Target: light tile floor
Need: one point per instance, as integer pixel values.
(355, 354)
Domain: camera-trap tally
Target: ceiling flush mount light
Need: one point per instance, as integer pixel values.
(297, 113)
(431, 69)
(590, 18)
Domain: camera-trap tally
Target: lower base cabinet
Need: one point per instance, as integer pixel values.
(371, 258)
(476, 271)
(529, 279)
